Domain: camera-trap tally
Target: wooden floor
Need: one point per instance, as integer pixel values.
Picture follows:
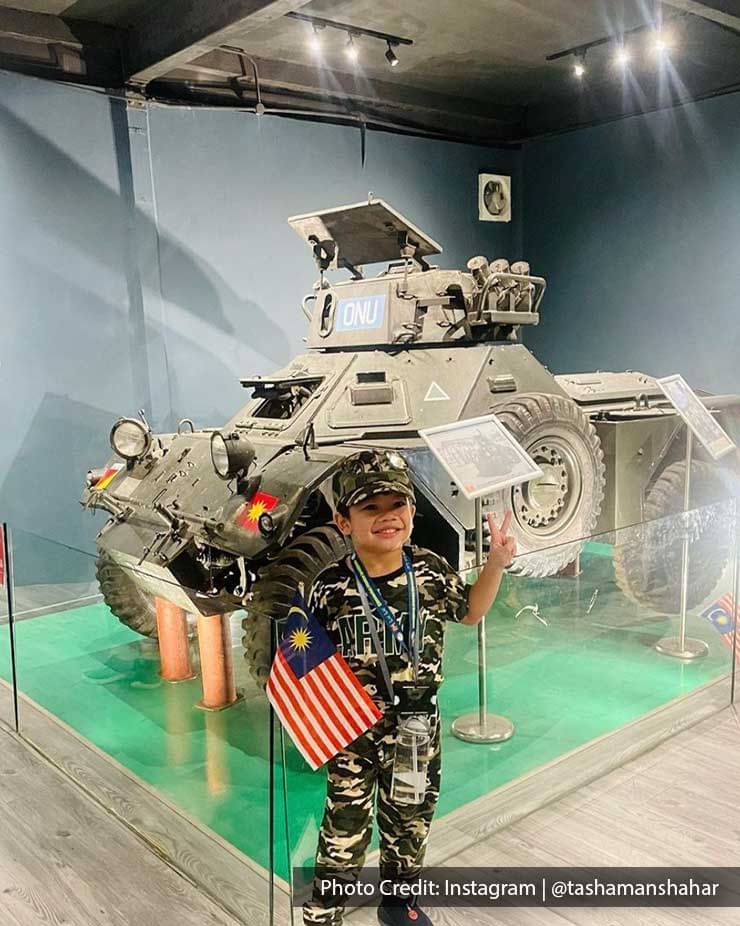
(64, 861)
(674, 806)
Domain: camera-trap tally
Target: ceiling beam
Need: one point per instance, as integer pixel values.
(343, 87)
(66, 49)
(173, 32)
(53, 30)
(723, 12)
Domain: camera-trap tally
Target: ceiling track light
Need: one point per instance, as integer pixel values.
(351, 50)
(662, 44)
(353, 32)
(622, 56)
(314, 39)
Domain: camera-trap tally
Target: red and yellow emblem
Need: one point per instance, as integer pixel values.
(108, 476)
(249, 513)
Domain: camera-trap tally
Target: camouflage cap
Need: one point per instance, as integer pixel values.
(371, 472)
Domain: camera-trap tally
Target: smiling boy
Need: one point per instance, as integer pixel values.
(390, 644)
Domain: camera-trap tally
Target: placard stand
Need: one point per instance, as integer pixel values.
(683, 647)
(482, 727)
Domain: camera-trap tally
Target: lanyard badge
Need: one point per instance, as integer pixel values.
(380, 606)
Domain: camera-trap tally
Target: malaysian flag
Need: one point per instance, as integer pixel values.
(722, 614)
(314, 692)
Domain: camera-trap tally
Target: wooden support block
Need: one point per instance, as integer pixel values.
(174, 648)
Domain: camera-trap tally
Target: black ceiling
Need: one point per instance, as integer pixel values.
(477, 69)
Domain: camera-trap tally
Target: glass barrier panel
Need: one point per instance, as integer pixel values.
(587, 661)
(143, 669)
(7, 675)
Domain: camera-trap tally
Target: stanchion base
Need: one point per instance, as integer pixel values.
(204, 707)
(496, 729)
(692, 649)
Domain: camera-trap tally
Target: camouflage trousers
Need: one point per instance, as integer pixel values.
(358, 776)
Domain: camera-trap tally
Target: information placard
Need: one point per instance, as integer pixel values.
(480, 455)
(689, 406)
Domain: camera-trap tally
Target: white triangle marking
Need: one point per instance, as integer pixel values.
(436, 393)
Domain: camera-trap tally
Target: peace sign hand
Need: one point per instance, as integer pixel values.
(502, 547)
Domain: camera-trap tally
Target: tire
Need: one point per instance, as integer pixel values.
(552, 516)
(648, 557)
(299, 561)
(125, 599)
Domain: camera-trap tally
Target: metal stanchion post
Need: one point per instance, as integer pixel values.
(683, 647)
(482, 727)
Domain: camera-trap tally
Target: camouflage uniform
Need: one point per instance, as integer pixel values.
(367, 763)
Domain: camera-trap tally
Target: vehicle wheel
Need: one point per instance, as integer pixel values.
(552, 515)
(125, 599)
(299, 561)
(648, 557)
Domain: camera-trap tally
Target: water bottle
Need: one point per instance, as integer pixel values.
(413, 741)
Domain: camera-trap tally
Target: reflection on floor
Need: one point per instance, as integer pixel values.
(588, 670)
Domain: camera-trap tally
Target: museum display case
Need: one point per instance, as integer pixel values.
(576, 663)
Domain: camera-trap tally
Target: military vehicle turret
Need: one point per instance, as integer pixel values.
(217, 519)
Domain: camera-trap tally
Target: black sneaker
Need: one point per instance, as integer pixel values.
(402, 914)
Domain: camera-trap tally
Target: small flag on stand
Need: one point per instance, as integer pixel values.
(722, 615)
(314, 692)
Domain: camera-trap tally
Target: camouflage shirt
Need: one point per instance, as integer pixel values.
(336, 604)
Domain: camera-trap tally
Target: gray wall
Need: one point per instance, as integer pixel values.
(636, 226)
(233, 272)
(147, 263)
(65, 366)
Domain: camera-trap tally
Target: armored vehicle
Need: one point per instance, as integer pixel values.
(218, 519)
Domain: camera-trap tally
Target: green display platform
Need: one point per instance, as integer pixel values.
(589, 671)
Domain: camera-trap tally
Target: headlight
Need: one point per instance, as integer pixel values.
(130, 438)
(231, 454)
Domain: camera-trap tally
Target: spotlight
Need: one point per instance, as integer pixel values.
(622, 57)
(579, 68)
(351, 50)
(231, 454)
(661, 43)
(314, 41)
(130, 438)
(391, 57)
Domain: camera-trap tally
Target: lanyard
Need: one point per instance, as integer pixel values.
(369, 592)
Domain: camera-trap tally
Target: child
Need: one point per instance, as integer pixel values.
(374, 500)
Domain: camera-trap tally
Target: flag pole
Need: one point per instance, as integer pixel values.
(271, 788)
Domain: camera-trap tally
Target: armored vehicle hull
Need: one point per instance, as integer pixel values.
(236, 517)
